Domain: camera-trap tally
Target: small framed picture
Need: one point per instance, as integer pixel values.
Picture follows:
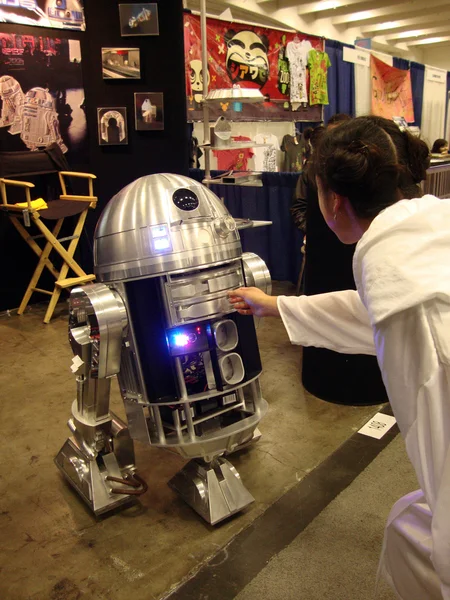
(121, 63)
(112, 126)
(139, 19)
(149, 111)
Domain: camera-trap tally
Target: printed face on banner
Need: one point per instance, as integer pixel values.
(247, 58)
(251, 57)
(61, 14)
(197, 79)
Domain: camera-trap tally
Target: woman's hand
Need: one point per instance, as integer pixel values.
(252, 301)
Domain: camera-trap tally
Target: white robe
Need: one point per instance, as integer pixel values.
(401, 313)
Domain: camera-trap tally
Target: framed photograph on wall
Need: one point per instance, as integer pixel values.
(139, 19)
(121, 63)
(112, 126)
(149, 111)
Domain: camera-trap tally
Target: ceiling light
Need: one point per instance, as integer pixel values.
(390, 24)
(328, 4)
(360, 16)
(413, 33)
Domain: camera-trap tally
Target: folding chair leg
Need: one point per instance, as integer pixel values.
(40, 267)
(60, 248)
(35, 247)
(65, 268)
(52, 304)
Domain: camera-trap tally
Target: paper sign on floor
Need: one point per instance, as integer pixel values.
(378, 426)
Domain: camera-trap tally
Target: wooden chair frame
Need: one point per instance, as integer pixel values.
(31, 214)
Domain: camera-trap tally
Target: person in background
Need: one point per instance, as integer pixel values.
(305, 184)
(440, 146)
(306, 187)
(400, 313)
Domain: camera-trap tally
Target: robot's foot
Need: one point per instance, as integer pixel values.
(103, 487)
(214, 489)
(255, 437)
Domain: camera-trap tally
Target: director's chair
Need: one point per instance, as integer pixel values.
(33, 213)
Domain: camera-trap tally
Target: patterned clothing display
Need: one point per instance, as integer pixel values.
(318, 63)
(266, 157)
(236, 159)
(297, 54)
(283, 72)
(294, 149)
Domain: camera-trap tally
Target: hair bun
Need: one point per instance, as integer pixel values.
(419, 157)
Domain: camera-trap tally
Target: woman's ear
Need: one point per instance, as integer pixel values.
(338, 202)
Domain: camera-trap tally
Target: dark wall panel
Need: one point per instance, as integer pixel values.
(162, 70)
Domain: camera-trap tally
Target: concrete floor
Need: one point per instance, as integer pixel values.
(337, 554)
(54, 549)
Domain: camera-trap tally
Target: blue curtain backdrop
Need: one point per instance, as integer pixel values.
(341, 81)
(417, 81)
(278, 244)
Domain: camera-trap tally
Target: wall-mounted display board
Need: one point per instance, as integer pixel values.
(248, 56)
(41, 93)
(62, 14)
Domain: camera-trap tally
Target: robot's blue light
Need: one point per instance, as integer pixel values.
(162, 243)
(180, 340)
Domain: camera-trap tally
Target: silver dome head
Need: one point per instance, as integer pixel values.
(163, 223)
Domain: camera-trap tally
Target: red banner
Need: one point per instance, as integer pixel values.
(250, 56)
(391, 91)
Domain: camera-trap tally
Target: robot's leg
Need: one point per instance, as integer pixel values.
(213, 489)
(107, 479)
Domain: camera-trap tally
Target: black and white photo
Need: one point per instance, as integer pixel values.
(149, 111)
(112, 126)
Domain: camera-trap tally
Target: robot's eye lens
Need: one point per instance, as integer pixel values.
(185, 199)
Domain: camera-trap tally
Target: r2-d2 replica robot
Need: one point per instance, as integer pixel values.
(167, 253)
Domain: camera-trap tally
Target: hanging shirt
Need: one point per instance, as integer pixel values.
(236, 159)
(318, 64)
(297, 54)
(266, 158)
(294, 152)
(283, 72)
(401, 313)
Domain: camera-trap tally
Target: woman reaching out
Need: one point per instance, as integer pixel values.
(367, 174)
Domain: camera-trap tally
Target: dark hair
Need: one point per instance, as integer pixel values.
(438, 144)
(412, 154)
(368, 160)
(316, 134)
(338, 118)
(307, 133)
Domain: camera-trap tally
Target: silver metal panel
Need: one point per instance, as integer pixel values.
(99, 301)
(215, 491)
(125, 243)
(256, 272)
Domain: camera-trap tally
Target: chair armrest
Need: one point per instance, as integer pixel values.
(91, 200)
(75, 174)
(89, 176)
(26, 185)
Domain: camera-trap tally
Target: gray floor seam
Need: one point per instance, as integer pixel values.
(255, 546)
